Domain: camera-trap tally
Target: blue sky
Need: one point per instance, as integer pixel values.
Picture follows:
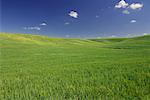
(76, 18)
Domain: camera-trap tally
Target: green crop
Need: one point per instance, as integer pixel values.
(41, 68)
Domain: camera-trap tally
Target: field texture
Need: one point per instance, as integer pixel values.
(41, 68)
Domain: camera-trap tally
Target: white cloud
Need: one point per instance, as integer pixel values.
(133, 21)
(43, 24)
(73, 14)
(125, 12)
(125, 5)
(122, 4)
(135, 6)
(32, 28)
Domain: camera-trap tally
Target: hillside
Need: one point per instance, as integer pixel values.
(43, 40)
(40, 68)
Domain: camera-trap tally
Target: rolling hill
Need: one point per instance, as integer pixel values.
(41, 68)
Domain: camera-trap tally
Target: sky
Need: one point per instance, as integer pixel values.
(76, 18)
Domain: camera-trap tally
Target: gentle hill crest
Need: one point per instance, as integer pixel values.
(45, 40)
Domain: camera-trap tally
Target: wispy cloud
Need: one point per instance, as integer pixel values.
(67, 23)
(36, 27)
(32, 28)
(137, 34)
(97, 16)
(67, 36)
(73, 14)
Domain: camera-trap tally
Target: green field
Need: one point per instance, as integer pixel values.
(36, 67)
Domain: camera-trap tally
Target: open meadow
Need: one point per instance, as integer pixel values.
(36, 67)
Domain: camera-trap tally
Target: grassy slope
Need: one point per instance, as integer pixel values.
(38, 67)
